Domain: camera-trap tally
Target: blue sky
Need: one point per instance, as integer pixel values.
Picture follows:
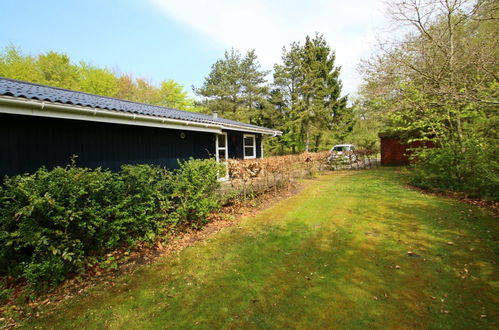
(180, 40)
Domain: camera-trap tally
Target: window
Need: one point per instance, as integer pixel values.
(249, 145)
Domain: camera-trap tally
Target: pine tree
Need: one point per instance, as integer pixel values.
(236, 87)
(309, 83)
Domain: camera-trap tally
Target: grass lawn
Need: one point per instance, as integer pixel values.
(333, 256)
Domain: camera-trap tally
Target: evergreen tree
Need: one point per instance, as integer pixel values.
(236, 88)
(309, 84)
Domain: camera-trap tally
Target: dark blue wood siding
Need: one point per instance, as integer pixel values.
(236, 149)
(28, 142)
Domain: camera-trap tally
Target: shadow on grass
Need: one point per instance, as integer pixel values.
(334, 256)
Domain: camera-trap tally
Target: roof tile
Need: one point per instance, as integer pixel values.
(17, 88)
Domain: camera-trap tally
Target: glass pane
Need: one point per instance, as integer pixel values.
(221, 141)
(248, 152)
(221, 154)
(249, 141)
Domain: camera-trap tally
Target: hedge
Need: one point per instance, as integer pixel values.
(54, 222)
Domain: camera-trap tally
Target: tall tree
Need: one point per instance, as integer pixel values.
(309, 84)
(15, 65)
(173, 95)
(438, 81)
(56, 69)
(96, 80)
(440, 76)
(236, 87)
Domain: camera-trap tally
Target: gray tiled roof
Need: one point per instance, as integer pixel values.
(17, 88)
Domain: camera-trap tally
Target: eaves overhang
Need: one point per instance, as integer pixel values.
(32, 107)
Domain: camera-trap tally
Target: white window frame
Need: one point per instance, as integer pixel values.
(253, 136)
(217, 147)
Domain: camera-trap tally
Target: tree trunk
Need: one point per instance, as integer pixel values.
(317, 142)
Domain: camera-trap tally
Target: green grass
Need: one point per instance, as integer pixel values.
(324, 258)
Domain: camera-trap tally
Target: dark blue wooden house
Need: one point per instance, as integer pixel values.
(45, 126)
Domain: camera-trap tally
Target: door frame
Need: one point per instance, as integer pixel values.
(226, 153)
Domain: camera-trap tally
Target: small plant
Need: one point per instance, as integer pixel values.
(5, 293)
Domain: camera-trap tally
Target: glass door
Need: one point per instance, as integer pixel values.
(222, 153)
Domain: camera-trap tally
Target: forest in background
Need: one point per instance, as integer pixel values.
(56, 69)
(301, 96)
(434, 78)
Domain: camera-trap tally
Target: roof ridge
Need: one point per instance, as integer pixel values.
(155, 110)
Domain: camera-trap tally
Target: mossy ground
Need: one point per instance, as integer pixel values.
(333, 256)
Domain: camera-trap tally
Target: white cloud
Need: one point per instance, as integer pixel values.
(267, 26)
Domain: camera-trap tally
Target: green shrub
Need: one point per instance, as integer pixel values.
(194, 190)
(144, 206)
(47, 271)
(470, 167)
(53, 213)
(5, 293)
(52, 222)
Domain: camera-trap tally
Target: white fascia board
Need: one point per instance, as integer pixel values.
(21, 106)
(249, 130)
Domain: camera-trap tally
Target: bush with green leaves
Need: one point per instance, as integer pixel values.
(5, 292)
(194, 188)
(144, 203)
(51, 215)
(471, 167)
(52, 222)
